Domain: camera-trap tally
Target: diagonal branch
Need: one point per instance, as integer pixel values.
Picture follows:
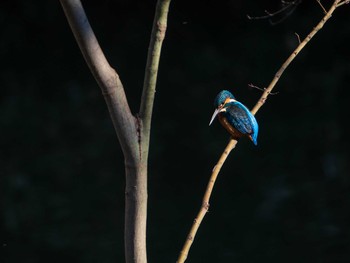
(205, 202)
(232, 143)
(105, 75)
(292, 56)
(151, 71)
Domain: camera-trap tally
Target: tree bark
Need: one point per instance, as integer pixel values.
(135, 211)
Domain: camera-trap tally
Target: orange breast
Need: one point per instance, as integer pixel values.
(233, 131)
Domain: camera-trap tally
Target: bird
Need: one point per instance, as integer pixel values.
(235, 117)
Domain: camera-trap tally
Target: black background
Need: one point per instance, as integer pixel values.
(61, 166)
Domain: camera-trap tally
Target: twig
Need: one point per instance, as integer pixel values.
(343, 2)
(324, 10)
(298, 37)
(287, 6)
(262, 89)
(288, 13)
(232, 143)
(269, 15)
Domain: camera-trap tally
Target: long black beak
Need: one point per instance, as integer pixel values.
(214, 115)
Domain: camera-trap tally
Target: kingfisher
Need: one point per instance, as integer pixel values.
(235, 117)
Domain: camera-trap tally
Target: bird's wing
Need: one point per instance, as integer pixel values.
(241, 118)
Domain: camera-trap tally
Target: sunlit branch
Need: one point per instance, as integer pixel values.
(232, 143)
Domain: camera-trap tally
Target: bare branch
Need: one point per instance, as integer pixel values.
(205, 202)
(299, 41)
(262, 89)
(292, 56)
(105, 75)
(151, 71)
(343, 2)
(285, 11)
(324, 10)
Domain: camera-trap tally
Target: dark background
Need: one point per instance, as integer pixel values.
(61, 167)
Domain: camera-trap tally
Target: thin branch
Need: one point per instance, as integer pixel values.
(299, 41)
(261, 89)
(285, 16)
(324, 9)
(232, 143)
(205, 203)
(151, 71)
(287, 7)
(269, 15)
(279, 73)
(105, 75)
(344, 2)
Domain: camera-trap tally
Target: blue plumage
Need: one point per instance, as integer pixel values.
(235, 117)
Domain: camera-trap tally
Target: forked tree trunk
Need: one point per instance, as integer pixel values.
(133, 131)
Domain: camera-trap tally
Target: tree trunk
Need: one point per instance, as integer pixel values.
(135, 211)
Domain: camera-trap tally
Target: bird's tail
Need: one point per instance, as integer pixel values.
(254, 138)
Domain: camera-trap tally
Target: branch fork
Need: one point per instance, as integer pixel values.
(133, 131)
